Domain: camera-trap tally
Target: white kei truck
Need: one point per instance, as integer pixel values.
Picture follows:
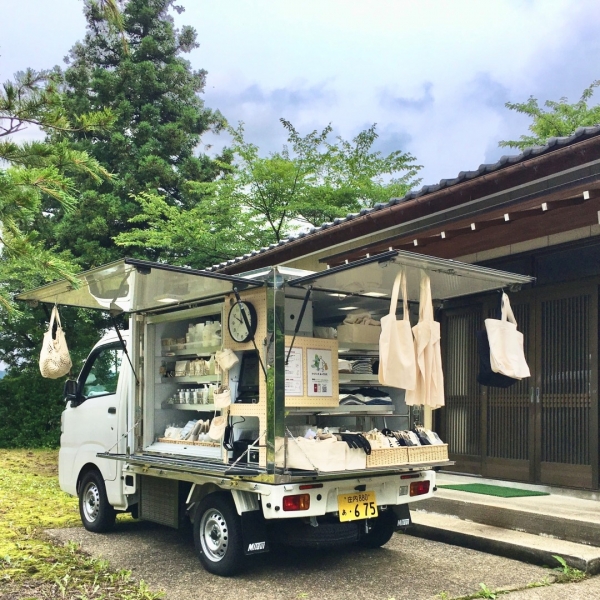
(142, 389)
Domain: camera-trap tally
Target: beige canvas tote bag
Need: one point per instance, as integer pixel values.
(429, 388)
(55, 360)
(507, 354)
(396, 350)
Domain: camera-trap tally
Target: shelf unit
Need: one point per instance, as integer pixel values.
(194, 407)
(350, 409)
(190, 349)
(350, 348)
(358, 379)
(192, 379)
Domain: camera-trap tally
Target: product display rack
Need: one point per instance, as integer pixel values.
(192, 379)
(194, 407)
(345, 410)
(359, 379)
(192, 349)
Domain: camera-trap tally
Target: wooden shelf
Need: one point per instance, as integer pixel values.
(358, 348)
(195, 407)
(356, 379)
(346, 409)
(192, 379)
(189, 349)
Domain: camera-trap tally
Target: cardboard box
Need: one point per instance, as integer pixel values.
(363, 334)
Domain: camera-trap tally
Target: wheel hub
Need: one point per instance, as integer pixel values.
(91, 501)
(214, 535)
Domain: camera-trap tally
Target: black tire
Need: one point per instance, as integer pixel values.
(296, 533)
(381, 530)
(218, 535)
(96, 513)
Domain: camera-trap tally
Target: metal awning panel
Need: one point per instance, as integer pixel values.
(131, 285)
(375, 276)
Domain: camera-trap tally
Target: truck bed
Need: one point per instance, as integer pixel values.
(165, 466)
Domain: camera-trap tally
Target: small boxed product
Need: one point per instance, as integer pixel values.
(364, 334)
(359, 327)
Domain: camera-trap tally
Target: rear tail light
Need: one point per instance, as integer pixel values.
(296, 502)
(418, 488)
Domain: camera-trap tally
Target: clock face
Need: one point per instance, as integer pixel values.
(237, 325)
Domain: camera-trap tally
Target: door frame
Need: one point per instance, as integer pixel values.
(568, 475)
(511, 468)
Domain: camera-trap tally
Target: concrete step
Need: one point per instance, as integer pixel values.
(562, 517)
(504, 542)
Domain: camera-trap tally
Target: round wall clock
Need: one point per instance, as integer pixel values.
(237, 325)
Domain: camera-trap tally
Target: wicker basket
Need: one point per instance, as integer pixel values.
(385, 457)
(188, 443)
(424, 454)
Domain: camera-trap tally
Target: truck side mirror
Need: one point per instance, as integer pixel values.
(70, 391)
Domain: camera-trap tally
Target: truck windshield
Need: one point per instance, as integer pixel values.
(103, 375)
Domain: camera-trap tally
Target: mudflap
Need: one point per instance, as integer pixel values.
(403, 519)
(254, 532)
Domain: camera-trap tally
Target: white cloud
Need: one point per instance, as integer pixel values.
(434, 75)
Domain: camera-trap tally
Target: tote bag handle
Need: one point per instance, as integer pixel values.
(507, 312)
(54, 316)
(399, 282)
(425, 301)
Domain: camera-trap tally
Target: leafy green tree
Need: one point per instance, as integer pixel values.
(313, 180)
(160, 118)
(310, 181)
(557, 119)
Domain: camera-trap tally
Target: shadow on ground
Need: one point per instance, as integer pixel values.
(406, 568)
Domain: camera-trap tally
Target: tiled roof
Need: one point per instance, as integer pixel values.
(580, 134)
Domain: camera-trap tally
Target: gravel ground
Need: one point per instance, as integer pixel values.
(406, 568)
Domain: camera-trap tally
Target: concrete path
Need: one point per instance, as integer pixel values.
(407, 568)
(584, 590)
(532, 529)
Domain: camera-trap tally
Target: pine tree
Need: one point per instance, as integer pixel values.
(160, 118)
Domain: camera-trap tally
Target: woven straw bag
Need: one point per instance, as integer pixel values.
(55, 360)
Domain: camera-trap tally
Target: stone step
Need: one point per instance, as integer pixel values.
(504, 542)
(560, 517)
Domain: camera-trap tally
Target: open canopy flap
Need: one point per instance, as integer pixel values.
(375, 277)
(132, 285)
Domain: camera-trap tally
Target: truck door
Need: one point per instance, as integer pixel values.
(91, 426)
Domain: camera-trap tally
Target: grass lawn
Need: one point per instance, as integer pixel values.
(32, 566)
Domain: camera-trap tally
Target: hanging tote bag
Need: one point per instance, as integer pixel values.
(507, 355)
(396, 350)
(55, 360)
(217, 427)
(222, 397)
(429, 388)
(486, 376)
(226, 359)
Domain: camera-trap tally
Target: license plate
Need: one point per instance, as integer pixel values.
(359, 505)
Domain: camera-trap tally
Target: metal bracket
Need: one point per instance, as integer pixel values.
(299, 321)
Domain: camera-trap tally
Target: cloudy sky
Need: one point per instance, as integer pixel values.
(434, 75)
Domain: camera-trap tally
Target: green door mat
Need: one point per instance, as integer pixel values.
(493, 490)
